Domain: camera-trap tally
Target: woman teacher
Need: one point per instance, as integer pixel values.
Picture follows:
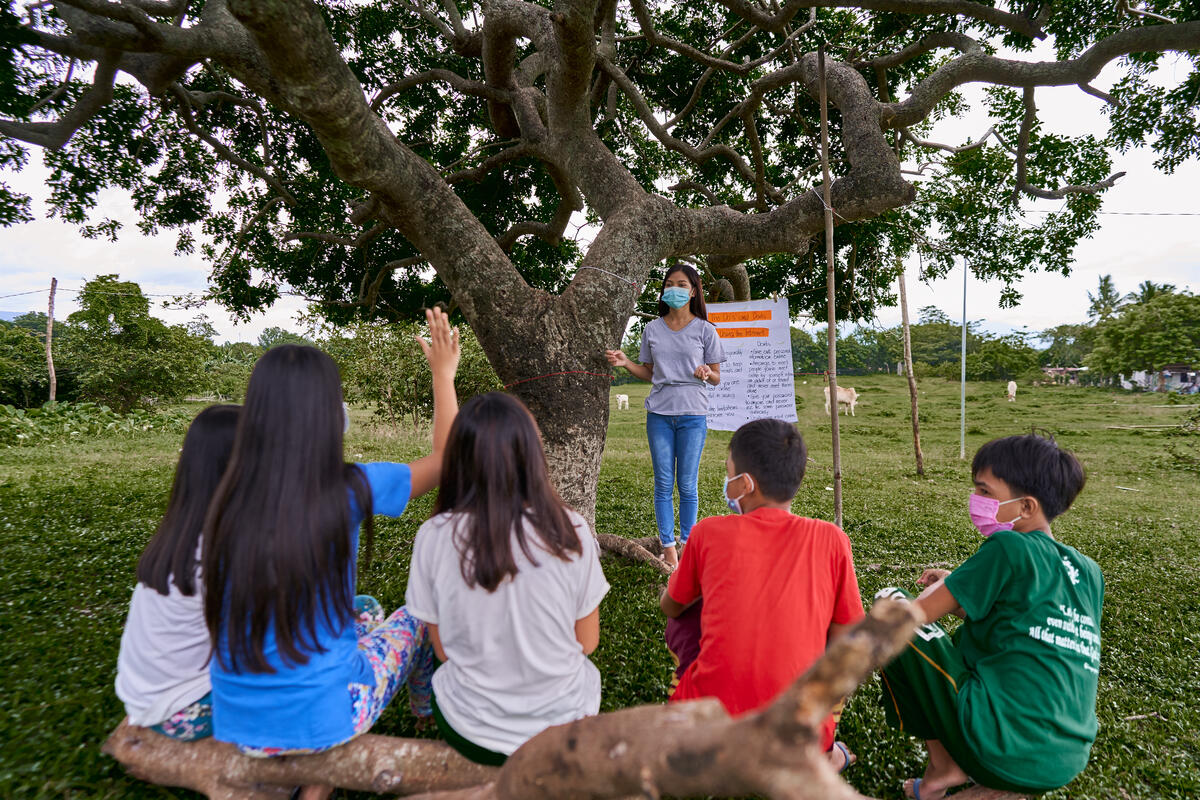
(681, 352)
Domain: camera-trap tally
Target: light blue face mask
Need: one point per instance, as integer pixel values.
(734, 503)
(676, 297)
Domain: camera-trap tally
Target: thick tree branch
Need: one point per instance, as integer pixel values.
(959, 41)
(659, 131)
(1022, 184)
(963, 8)
(982, 140)
(456, 81)
(313, 82)
(183, 101)
(53, 135)
(655, 39)
(980, 67)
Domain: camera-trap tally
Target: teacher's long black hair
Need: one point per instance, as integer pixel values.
(277, 535)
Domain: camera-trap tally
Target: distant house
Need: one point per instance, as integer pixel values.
(1171, 378)
(1067, 375)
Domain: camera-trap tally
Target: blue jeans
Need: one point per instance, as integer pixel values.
(676, 443)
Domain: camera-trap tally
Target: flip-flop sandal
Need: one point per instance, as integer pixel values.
(916, 788)
(846, 754)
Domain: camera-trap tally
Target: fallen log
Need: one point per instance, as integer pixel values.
(369, 763)
(681, 749)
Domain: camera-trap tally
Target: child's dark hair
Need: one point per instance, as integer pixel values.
(773, 451)
(170, 555)
(1034, 465)
(277, 538)
(696, 304)
(494, 472)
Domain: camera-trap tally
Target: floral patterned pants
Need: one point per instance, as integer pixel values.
(399, 651)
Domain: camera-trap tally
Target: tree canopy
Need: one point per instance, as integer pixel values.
(378, 156)
(320, 165)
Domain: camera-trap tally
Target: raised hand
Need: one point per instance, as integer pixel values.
(442, 350)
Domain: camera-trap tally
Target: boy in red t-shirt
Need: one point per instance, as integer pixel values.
(777, 588)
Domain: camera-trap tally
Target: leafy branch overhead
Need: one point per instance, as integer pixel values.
(345, 149)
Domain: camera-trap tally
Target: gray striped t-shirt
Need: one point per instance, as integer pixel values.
(675, 390)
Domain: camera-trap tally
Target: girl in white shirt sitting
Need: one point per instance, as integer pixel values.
(162, 669)
(508, 580)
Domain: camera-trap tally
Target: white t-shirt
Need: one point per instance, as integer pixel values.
(163, 664)
(514, 666)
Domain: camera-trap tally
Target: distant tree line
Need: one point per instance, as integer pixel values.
(113, 351)
(1149, 329)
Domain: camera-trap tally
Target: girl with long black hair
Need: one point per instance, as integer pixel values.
(162, 668)
(508, 580)
(299, 664)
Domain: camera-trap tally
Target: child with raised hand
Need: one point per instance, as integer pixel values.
(508, 580)
(1010, 700)
(300, 664)
(162, 668)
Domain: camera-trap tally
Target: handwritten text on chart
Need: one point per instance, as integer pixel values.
(756, 378)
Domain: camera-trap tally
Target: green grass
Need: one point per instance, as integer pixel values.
(74, 518)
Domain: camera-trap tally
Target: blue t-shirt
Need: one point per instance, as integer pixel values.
(307, 706)
(675, 389)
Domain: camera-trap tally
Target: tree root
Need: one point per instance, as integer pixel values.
(636, 550)
(681, 749)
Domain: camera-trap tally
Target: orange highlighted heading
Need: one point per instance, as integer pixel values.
(742, 333)
(738, 316)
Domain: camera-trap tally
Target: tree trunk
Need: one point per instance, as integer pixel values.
(908, 370)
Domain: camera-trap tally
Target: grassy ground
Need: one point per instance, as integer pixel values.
(74, 518)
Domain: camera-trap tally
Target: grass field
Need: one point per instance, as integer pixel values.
(74, 518)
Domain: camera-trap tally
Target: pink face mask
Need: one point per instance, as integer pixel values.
(983, 512)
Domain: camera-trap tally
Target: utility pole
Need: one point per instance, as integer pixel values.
(962, 425)
(49, 339)
(831, 333)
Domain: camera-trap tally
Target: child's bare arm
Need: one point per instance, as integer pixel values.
(442, 351)
(936, 602)
(672, 607)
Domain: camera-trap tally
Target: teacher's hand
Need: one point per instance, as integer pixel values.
(703, 372)
(617, 358)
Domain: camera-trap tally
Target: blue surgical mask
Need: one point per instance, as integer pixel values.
(676, 297)
(734, 503)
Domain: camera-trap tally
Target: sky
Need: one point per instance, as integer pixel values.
(1131, 248)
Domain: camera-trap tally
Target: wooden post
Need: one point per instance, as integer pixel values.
(49, 339)
(831, 333)
(908, 370)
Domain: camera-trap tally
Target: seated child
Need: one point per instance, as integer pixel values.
(1010, 701)
(300, 665)
(508, 580)
(162, 669)
(777, 588)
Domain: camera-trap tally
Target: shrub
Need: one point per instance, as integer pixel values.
(57, 422)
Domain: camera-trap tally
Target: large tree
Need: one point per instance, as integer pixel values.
(379, 155)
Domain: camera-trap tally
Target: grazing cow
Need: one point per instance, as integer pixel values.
(623, 402)
(1012, 391)
(846, 397)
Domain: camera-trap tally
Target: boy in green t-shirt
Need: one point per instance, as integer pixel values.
(1010, 700)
